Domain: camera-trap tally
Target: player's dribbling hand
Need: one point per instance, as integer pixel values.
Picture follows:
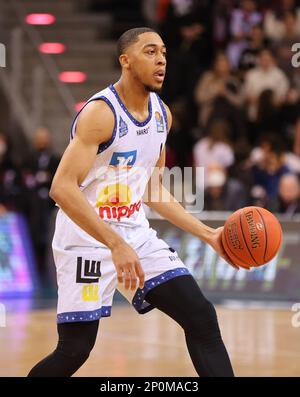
(216, 242)
(128, 266)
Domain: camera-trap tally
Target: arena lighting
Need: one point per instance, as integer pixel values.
(40, 19)
(52, 48)
(79, 106)
(72, 77)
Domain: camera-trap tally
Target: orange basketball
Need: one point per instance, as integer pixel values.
(251, 237)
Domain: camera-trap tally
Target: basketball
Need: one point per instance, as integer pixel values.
(251, 237)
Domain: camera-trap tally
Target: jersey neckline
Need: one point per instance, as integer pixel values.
(134, 120)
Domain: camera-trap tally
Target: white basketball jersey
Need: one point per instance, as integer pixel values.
(117, 180)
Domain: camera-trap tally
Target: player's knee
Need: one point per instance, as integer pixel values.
(201, 321)
(76, 350)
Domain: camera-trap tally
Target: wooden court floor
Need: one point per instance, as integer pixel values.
(260, 343)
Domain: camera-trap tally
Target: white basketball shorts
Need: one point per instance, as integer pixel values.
(87, 277)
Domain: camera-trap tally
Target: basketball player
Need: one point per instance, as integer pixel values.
(102, 239)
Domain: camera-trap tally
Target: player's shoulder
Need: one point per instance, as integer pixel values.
(96, 121)
(97, 114)
(97, 110)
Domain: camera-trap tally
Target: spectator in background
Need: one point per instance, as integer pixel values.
(268, 115)
(218, 92)
(293, 113)
(256, 41)
(266, 76)
(266, 142)
(40, 169)
(242, 20)
(296, 145)
(287, 201)
(223, 193)
(187, 32)
(126, 15)
(290, 115)
(257, 156)
(151, 10)
(268, 170)
(180, 141)
(221, 18)
(215, 148)
(283, 46)
(274, 25)
(10, 179)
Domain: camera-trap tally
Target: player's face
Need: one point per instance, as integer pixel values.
(147, 61)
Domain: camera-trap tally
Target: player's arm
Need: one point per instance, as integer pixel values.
(164, 203)
(95, 126)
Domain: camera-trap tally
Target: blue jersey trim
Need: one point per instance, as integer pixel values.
(136, 122)
(163, 109)
(138, 301)
(75, 118)
(91, 315)
(103, 145)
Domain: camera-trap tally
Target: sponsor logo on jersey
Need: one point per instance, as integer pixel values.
(114, 201)
(159, 122)
(123, 127)
(123, 159)
(143, 131)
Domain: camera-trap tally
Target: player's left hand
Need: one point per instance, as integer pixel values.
(216, 243)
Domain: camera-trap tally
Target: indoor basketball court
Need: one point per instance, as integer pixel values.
(228, 73)
(260, 342)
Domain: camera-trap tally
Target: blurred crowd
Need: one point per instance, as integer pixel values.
(234, 95)
(24, 188)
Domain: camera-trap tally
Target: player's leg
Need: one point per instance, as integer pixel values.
(75, 343)
(182, 300)
(84, 296)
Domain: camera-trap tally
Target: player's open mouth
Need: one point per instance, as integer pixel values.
(159, 76)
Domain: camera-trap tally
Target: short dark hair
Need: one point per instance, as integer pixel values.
(276, 143)
(268, 49)
(130, 37)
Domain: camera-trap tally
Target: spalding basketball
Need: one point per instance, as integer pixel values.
(251, 237)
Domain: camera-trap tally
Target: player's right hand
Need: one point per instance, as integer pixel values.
(128, 266)
(216, 242)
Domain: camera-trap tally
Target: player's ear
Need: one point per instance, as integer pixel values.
(124, 61)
